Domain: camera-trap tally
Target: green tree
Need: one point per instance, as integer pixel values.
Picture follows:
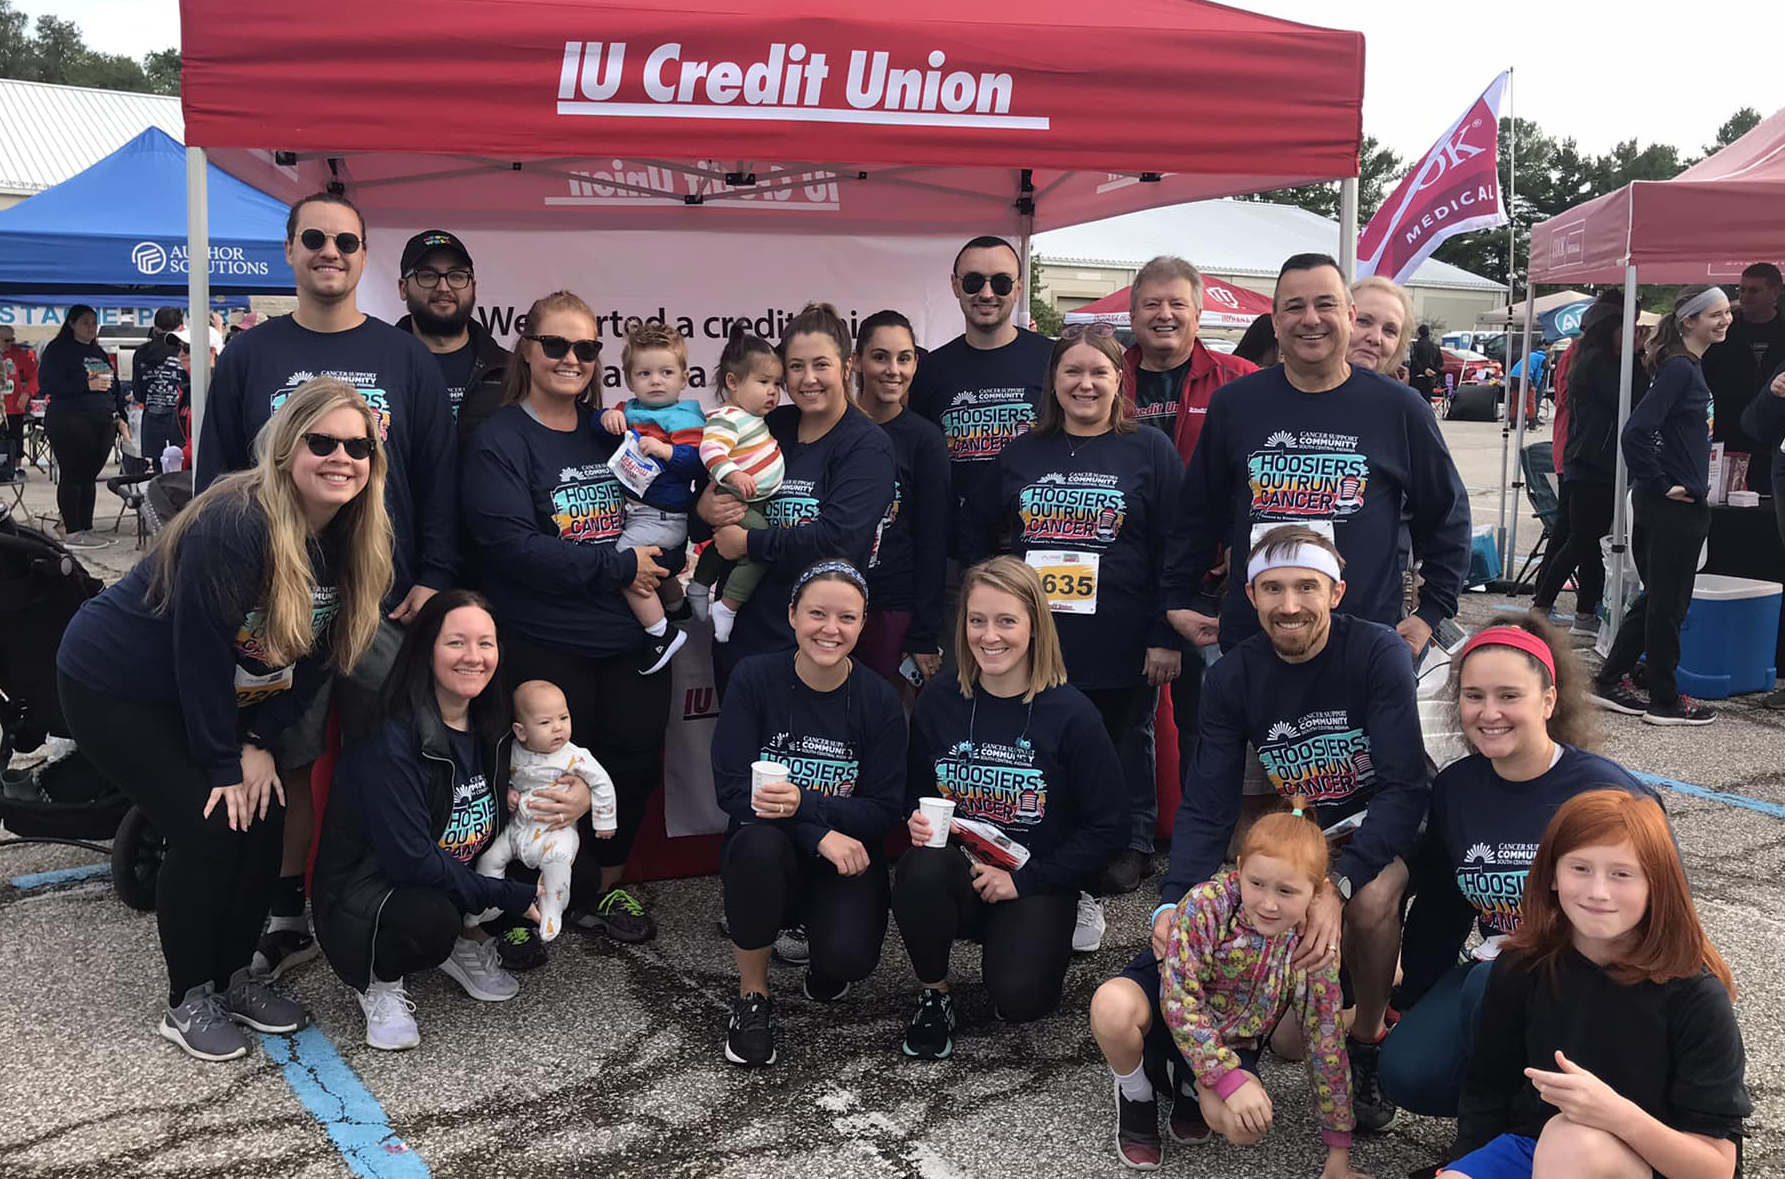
(1379, 170)
(55, 51)
(1047, 318)
(162, 69)
(1734, 127)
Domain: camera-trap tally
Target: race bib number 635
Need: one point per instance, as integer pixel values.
(1068, 579)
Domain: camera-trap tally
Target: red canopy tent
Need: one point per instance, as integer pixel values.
(1704, 225)
(1223, 306)
(816, 117)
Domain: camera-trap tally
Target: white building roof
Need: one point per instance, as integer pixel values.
(49, 133)
(1222, 237)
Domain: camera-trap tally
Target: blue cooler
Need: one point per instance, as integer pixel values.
(1729, 637)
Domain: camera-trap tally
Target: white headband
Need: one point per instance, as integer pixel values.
(1302, 556)
(1698, 303)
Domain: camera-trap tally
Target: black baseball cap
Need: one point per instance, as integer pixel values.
(426, 242)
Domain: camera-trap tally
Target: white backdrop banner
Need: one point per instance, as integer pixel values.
(697, 282)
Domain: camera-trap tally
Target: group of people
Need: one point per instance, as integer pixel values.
(1041, 536)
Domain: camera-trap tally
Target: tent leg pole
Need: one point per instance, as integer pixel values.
(1518, 444)
(1025, 270)
(1348, 228)
(198, 283)
(1620, 516)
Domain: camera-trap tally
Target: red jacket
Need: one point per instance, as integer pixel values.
(23, 363)
(1209, 370)
(1558, 431)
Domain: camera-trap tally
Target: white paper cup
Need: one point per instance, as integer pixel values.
(764, 772)
(940, 813)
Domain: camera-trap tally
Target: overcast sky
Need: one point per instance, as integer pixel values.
(1582, 69)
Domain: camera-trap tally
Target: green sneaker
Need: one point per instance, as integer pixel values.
(619, 916)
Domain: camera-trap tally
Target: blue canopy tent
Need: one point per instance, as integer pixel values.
(117, 232)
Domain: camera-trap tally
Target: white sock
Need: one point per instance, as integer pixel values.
(659, 628)
(723, 617)
(1135, 1086)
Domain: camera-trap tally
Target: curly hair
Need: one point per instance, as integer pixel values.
(1575, 721)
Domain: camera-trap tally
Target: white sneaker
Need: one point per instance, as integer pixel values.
(477, 967)
(390, 1016)
(1087, 931)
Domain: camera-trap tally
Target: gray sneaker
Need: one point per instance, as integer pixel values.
(251, 1000)
(83, 541)
(477, 966)
(201, 1025)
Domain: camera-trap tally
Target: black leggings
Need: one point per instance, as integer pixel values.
(1589, 507)
(214, 886)
(620, 717)
(1026, 942)
(81, 441)
(416, 930)
(769, 884)
(15, 441)
(1667, 536)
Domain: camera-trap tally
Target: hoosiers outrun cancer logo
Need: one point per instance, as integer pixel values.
(149, 257)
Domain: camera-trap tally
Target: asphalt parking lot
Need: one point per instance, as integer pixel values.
(609, 1060)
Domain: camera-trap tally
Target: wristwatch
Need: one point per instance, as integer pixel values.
(1341, 884)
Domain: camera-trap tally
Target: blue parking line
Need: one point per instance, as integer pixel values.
(60, 876)
(1723, 796)
(336, 1097)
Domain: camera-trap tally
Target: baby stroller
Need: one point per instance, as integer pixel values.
(66, 800)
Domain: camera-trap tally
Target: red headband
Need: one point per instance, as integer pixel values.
(1517, 638)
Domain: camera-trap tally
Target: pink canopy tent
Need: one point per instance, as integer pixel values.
(1223, 306)
(1704, 225)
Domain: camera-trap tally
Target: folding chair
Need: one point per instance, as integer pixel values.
(1537, 462)
(129, 486)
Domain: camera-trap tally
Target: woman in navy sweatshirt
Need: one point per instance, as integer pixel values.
(412, 808)
(1667, 446)
(177, 681)
(1522, 708)
(1024, 754)
(1087, 500)
(806, 845)
(838, 483)
(545, 518)
(84, 414)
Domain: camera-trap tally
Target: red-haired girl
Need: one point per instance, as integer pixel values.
(1607, 1045)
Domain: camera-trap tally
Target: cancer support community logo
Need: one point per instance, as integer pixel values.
(1321, 756)
(1082, 507)
(978, 423)
(793, 505)
(994, 782)
(820, 764)
(1493, 880)
(587, 504)
(1308, 476)
(365, 383)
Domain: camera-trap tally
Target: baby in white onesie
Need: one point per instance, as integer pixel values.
(543, 754)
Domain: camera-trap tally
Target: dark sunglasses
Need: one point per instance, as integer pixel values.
(1077, 331)
(973, 282)
(555, 347)
(347, 243)
(323, 445)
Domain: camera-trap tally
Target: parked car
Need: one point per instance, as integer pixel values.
(1466, 367)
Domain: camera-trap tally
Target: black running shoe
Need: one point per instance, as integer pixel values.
(1683, 711)
(750, 1040)
(283, 950)
(1623, 696)
(1126, 871)
(1375, 1112)
(517, 943)
(1137, 1133)
(619, 916)
(661, 649)
(822, 990)
(930, 1034)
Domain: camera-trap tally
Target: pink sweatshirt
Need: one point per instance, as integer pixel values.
(1223, 983)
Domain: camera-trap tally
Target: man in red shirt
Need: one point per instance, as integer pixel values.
(18, 385)
(1170, 375)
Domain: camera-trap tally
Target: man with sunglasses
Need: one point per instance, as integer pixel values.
(328, 336)
(439, 284)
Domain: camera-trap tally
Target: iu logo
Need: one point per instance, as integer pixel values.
(700, 703)
(149, 257)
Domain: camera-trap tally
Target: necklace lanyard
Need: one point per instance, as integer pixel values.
(1022, 738)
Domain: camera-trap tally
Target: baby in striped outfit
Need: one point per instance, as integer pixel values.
(745, 461)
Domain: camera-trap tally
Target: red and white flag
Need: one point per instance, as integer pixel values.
(1455, 189)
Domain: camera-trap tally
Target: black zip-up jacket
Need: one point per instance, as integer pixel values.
(1765, 420)
(1591, 452)
(483, 391)
(388, 807)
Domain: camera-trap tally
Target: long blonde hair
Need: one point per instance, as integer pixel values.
(1047, 664)
(287, 581)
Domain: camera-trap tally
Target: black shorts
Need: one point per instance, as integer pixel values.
(1160, 1048)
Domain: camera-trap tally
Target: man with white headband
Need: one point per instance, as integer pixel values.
(1328, 702)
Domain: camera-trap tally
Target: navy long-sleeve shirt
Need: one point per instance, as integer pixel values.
(845, 750)
(1094, 515)
(1764, 419)
(400, 380)
(544, 511)
(1357, 458)
(910, 555)
(1341, 729)
(1479, 843)
(205, 650)
(1667, 438)
(62, 373)
(831, 501)
(1044, 773)
(982, 398)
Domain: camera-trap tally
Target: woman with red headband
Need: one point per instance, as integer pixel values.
(1522, 708)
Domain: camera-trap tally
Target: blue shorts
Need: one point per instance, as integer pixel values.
(1506, 1157)
(1160, 1047)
